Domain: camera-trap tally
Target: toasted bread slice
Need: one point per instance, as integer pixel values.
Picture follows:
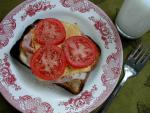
(74, 86)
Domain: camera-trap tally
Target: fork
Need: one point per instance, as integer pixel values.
(134, 64)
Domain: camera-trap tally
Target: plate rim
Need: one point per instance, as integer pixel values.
(98, 8)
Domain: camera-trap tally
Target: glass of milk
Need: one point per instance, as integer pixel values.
(133, 19)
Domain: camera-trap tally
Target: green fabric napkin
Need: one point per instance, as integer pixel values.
(134, 97)
(6, 6)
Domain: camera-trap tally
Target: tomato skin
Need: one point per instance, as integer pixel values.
(80, 51)
(51, 31)
(48, 62)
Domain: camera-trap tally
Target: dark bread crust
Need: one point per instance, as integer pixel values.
(70, 86)
(74, 86)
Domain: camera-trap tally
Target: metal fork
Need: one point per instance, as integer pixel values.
(135, 62)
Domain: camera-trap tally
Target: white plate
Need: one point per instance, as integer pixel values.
(23, 91)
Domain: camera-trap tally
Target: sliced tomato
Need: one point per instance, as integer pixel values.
(48, 62)
(80, 51)
(50, 30)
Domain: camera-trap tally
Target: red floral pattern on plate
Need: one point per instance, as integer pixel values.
(111, 70)
(6, 31)
(104, 30)
(33, 105)
(31, 10)
(79, 102)
(8, 25)
(77, 5)
(6, 77)
(85, 6)
(26, 103)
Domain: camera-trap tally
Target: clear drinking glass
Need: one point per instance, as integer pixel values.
(133, 19)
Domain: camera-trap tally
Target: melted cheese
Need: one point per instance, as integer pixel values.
(71, 30)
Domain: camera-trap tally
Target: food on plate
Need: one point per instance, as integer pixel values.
(57, 52)
(80, 51)
(48, 62)
(51, 30)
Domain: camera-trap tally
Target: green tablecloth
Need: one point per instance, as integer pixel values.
(134, 97)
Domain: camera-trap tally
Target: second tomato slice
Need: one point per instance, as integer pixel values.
(80, 51)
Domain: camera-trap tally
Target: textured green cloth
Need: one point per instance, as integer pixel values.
(134, 97)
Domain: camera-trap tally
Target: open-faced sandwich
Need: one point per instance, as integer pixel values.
(57, 52)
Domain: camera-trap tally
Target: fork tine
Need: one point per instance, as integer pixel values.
(137, 56)
(144, 57)
(135, 52)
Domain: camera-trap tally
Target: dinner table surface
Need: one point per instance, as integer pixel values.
(134, 97)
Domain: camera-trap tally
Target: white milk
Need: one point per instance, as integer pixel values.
(134, 18)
